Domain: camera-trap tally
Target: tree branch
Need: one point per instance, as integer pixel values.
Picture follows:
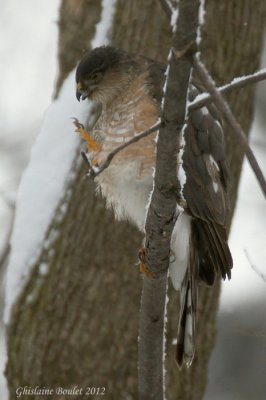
(167, 7)
(237, 83)
(161, 215)
(253, 266)
(229, 117)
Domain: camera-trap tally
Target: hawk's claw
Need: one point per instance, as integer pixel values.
(142, 267)
(92, 145)
(78, 124)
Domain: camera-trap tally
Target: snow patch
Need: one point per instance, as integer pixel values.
(43, 269)
(104, 25)
(180, 170)
(44, 180)
(201, 20)
(215, 186)
(174, 18)
(42, 185)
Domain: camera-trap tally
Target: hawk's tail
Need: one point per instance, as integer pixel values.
(209, 256)
(188, 304)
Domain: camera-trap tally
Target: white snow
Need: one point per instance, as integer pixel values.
(260, 72)
(43, 269)
(174, 18)
(201, 20)
(215, 186)
(204, 96)
(42, 186)
(105, 23)
(166, 74)
(44, 179)
(199, 97)
(180, 170)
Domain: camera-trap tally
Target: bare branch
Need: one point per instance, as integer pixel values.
(6, 249)
(258, 272)
(161, 216)
(229, 117)
(237, 83)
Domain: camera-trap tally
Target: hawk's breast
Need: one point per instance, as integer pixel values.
(127, 182)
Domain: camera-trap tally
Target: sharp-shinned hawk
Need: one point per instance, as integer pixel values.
(129, 89)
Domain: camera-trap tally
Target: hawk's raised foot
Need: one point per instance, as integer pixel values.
(142, 266)
(92, 145)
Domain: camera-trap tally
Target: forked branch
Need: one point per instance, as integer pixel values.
(229, 117)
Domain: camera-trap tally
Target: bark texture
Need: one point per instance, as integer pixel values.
(81, 325)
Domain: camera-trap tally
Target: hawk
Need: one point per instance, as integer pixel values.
(129, 89)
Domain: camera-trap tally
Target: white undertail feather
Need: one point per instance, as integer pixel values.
(188, 304)
(180, 250)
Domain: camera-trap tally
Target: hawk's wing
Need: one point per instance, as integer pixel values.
(206, 198)
(206, 181)
(205, 191)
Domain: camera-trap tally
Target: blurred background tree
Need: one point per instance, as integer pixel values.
(82, 327)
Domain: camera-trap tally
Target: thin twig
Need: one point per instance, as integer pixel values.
(229, 117)
(135, 139)
(91, 172)
(258, 272)
(6, 249)
(94, 171)
(237, 83)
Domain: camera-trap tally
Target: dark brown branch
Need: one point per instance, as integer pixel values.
(161, 216)
(6, 249)
(167, 8)
(229, 117)
(237, 83)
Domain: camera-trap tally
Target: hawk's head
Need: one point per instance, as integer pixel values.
(101, 73)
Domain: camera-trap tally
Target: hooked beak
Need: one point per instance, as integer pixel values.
(83, 94)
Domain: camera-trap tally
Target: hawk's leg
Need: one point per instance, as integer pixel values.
(142, 267)
(92, 145)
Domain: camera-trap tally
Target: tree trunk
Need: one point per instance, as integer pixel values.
(81, 327)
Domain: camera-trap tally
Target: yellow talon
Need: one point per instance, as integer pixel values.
(92, 145)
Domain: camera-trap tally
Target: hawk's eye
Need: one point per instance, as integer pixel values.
(96, 76)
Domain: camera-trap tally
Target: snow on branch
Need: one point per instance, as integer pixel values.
(161, 216)
(168, 8)
(204, 99)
